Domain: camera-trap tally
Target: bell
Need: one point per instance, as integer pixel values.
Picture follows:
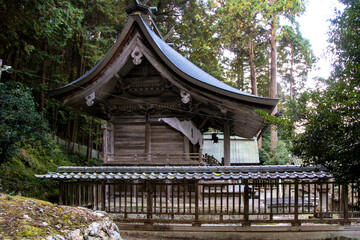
(214, 138)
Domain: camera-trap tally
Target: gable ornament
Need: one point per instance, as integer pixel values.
(185, 96)
(137, 55)
(90, 99)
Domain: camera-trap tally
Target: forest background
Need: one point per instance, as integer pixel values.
(49, 43)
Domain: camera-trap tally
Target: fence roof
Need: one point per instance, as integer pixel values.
(186, 173)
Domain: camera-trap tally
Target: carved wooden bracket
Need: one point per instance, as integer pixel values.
(137, 54)
(185, 96)
(90, 99)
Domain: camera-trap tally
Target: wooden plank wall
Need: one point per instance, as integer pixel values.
(165, 139)
(129, 137)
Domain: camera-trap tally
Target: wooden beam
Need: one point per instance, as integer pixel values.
(203, 123)
(147, 137)
(171, 31)
(186, 147)
(226, 144)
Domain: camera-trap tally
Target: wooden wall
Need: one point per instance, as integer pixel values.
(165, 139)
(129, 136)
(136, 136)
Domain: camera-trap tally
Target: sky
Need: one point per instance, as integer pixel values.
(314, 25)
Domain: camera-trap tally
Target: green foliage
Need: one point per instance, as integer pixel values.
(295, 57)
(278, 156)
(19, 121)
(18, 173)
(323, 124)
(194, 32)
(26, 146)
(244, 29)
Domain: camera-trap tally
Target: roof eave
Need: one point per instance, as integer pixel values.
(92, 73)
(271, 102)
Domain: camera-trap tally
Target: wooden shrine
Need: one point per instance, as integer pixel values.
(156, 102)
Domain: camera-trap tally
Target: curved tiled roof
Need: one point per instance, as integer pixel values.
(181, 176)
(189, 173)
(174, 60)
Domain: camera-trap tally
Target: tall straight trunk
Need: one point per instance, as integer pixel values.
(15, 63)
(252, 67)
(75, 129)
(273, 81)
(240, 70)
(68, 135)
(55, 117)
(43, 79)
(292, 91)
(81, 57)
(73, 62)
(89, 145)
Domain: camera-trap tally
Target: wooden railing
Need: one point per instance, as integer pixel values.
(245, 201)
(211, 160)
(157, 159)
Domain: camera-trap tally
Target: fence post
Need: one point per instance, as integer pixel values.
(61, 192)
(345, 203)
(246, 204)
(102, 195)
(296, 204)
(196, 204)
(149, 201)
(80, 197)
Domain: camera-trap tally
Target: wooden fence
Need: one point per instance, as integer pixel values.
(244, 201)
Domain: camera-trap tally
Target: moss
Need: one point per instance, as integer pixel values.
(36, 219)
(17, 174)
(31, 231)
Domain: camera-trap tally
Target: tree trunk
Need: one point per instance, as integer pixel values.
(68, 134)
(259, 142)
(89, 145)
(43, 80)
(273, 81)
(81, 57)
(74, 130)
(252, 67)
(55, 117)
(240, 72)
(292, 91)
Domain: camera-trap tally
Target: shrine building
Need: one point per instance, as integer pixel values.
(157, 104)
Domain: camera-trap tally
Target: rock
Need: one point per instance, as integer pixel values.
(113, 235)
(76, 235)
(40, 209)
(103, 235)
(94, 228)
(93, 238)
(45, 224)
(57, 237)
(27, 217)
(99, 213)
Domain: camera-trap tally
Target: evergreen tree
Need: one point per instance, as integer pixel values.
(329, 118)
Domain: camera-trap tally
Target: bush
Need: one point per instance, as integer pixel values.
(19, 121)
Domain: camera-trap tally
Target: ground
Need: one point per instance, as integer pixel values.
(28, 218)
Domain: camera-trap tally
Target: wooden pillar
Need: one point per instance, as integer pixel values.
(149, 202)
(196, 185)
(296, 204)
(105, 129)
(61, 192)
(186, 148)
(246, 204)
(226, 144)
(102, 195)
(345, 203)
(108, 142)
(148, 138)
